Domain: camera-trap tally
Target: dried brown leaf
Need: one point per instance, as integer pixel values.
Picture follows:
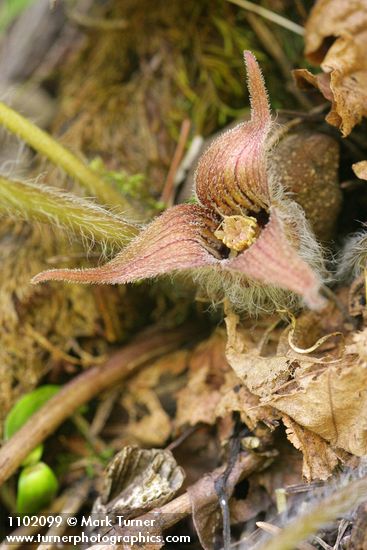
(214, 391)
(332, 18)
(198, 401)
(261, 375)
(319, 460)
(155, 427)
(257, 500)
(344, 63)
(319, 384)
(240, 399)
(360, 169)
(331, 402)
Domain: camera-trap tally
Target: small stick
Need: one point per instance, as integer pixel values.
(103, 412)
(149, 345)
(167, 193)
(180, 439)
(221, 486)
(90, 22)
(58, 354)
(272, 46)
(270, 15)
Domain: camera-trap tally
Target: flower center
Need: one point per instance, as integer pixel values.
(238, 232)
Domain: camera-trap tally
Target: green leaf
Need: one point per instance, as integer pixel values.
(37, 486)
(34, 456)
(23, 410)
(26, 407)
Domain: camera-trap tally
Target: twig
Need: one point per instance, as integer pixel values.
(180, 439)
(270, 15)
(272, 46)
(167, 193)
(58, 354)
(103, 412)
(98, 23)
(83, 426)
(221, 485)
(148, 346)
(245, 465)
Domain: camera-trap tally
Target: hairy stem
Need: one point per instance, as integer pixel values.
(329, 509)
(44, 144)
(34, 202)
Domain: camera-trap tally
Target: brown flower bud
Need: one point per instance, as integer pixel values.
(306, 164)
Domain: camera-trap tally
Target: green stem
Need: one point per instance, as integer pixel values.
(39, 203)
(43, 143)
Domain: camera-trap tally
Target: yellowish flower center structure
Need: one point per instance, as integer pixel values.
(238, 232)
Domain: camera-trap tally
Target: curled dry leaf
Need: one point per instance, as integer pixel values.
(330, 402)
(324, 395)
(360, 169)
(244, 509)
(319, 460)
(198, 400)
(138, 480)
(154, 428)
(214, 391)
(344, 63)
(261, 375)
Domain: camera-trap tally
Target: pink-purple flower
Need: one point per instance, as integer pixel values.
(243, 226)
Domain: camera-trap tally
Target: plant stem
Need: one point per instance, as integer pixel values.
(46, 145)
(270, 15)
(150, 345)
(30, 201)
(328, 509)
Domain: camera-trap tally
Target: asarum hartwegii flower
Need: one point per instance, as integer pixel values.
(244, 241)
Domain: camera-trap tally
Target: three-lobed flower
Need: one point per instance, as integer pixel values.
(244, 240)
